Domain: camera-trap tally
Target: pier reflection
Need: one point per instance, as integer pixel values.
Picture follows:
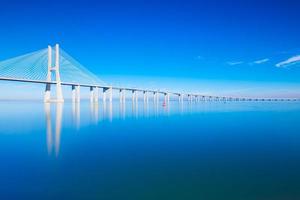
(94, 112)
(91, 113)
(53, 137)
(76, 114)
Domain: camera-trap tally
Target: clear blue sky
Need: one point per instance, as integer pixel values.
(246, 47)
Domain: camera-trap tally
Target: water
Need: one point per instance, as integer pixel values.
(211, 150)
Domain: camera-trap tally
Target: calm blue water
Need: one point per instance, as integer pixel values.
(210, 150)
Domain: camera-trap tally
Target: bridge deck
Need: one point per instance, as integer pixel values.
(147, 90)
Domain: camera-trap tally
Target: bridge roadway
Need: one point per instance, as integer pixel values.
(190, 95)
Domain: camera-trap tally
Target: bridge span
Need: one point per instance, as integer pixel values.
(53, 72)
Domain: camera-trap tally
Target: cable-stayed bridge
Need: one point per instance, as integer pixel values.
(54, 67)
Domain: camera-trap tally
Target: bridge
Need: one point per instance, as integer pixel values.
(38, 68)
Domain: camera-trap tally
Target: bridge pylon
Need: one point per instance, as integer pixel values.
(59, 94)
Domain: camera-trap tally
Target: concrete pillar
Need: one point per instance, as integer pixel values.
(144, 96)
(59, 94)
(133, 95)
(121, 95)
(124, 96)
(91, 94)
(73, 94)
(96, 94)
(110, 94)
(47, 95)
(147, 98)
(136, 96)
(104, 91)
(77, 88)
(165, 97)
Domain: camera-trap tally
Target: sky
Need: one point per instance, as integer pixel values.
(226, 47)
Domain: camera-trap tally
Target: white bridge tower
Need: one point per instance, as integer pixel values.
(59, 94)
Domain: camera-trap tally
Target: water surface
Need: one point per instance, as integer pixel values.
(206, 150)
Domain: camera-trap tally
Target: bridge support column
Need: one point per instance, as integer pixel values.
(59, 94)
(133, 95)
(147, 98)
(136, 96)
(73, 94)
(104, 94)
(124, 96)
(96, 94)
(110, 94)
(92, 94)
(121, 95)
(77, 88)
(144, 96)
(47, 93)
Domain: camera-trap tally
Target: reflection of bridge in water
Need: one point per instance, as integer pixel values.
(88, 114)
(54, 123)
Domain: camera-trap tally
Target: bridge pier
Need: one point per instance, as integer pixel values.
(92, 94)
(158, 97)
(96, 94)
(110, 94)
(136, 96)
(121, 95)
(48, 85)
(104, 91)
(124, 95)
(165, 97)
(133, 95)
(47, 93)
(147, 96)
(59, 94)
(77, 88)
(73, 94)
(144, 96)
